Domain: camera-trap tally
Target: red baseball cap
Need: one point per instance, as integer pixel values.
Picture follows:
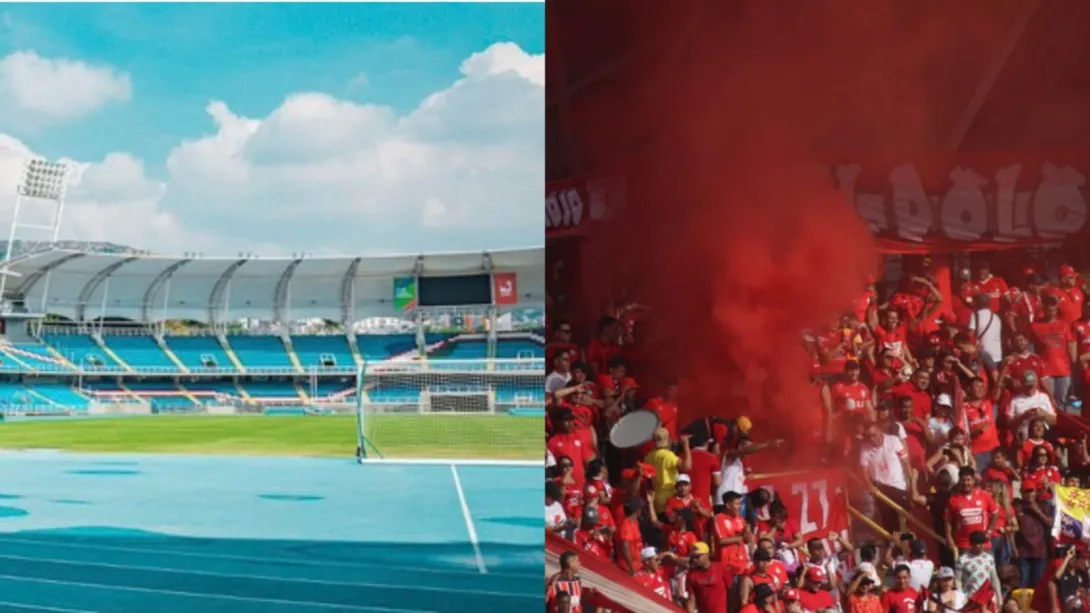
(629, 383)
(815, 574)
(647, 470)
(791, 595)
(1067, 271)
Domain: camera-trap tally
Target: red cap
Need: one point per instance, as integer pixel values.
(815, 574)
(720, 432)
(791, 595)
(1067, 271)
(647, 470)
(629, 384)
(628, 474)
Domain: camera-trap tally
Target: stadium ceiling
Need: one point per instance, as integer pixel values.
(988, 74)
(84, 286)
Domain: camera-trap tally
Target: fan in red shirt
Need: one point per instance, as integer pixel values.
(918, 389)
(814, 596)
(765, 571)
(764, 601)
(731, 532)
(569, 442)
(1070, 295)
(986, 283)
(852, 395)
(1022, 359)
(1081, 331)
(607, 346)
(980, 413)
(901, 598)
(705, 472)
(970, 508)
(653, 575)
(1041, 474)
(683, 498)
(1029, 305)
(1053, 340)
(892, 335)
(629, 540)
(707, 584)
(680, 536)
(561, 342)
(591, 536)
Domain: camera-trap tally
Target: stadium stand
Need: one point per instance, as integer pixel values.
(122, 353)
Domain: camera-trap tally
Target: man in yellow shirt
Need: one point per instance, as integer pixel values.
(667, 466)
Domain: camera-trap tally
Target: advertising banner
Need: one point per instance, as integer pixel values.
(404, 294)
(505, 288)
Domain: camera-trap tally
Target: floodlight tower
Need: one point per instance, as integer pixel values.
(45, 185)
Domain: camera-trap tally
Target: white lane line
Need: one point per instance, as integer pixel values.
(225, 556)
(41, 607)
(203, 573)
(148, 590)
(470, 528)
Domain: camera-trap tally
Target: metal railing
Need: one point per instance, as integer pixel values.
(527, 367)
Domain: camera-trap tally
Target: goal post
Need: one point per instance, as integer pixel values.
(476, 410)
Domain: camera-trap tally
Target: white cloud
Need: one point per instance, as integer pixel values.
(43, 91)
(462, 171)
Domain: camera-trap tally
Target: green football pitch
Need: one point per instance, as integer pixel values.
(500, 437)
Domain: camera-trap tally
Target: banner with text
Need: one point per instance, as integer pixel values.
(968, 202)
(816, 500)
(572, 204)
(505, 288)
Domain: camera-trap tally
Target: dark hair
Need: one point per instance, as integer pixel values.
(902, 568)
(580, 366)
(730, 496)
(553, 490)
(560, 322)
(605, 322)
(617, 362)
(868, 552)
(566, 558)
(594, 467)
(966, 471)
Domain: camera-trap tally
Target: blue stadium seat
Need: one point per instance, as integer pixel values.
(260, 351)
(385, 346)
(81, 350)
(466, 350)
(62, 395)
(271, 390)
(312, 350)
(192, 351)
(511, 348)
(34, 356)
(139, 352)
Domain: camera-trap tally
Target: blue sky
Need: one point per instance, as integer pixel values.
(350, 59)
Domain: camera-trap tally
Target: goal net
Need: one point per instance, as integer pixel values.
(471, 409)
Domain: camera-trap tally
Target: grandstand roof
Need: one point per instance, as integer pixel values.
(82, 285)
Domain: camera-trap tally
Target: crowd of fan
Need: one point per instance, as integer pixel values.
(946, 411)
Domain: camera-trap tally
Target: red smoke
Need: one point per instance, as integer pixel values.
(734, 234)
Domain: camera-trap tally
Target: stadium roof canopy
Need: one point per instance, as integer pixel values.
(83, 286)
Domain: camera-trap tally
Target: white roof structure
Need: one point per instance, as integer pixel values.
(83, 286)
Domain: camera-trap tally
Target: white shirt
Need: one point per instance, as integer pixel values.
(989, 329)
(1020, 405)
(921, 570)
(554, 515)
(556, 381)
(883, 463)
(734, 478)
(550, 461)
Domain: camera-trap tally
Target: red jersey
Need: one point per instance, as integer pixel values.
(909, 305)
(599, 353)
(1025, 362)
(574, 446)
(1041, 479)
(704, 466)
(863, 304)
(851, 397)
(1026, 309)
(968, 513)
(572, 587)
(894, 340)
(594, 543)
(733, 557)
(1071, 300)
(674, 504)
(921, 399)
(655, 581)
(1025, 451)
(994, 287)
(900, 601)
(811, 602)
(573, 499)
(1051, 339)
(1081, 331)
(979, 414)
(681, 542)
(629, 537)
(776, 577)
(709, 587)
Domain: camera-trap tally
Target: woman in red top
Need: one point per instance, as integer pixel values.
(1006, 524)
(1035, 439)
(1042, 473)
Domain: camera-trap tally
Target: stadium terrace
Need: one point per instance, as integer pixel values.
(137, 333)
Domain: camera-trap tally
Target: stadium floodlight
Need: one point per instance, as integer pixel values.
(45, 180)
